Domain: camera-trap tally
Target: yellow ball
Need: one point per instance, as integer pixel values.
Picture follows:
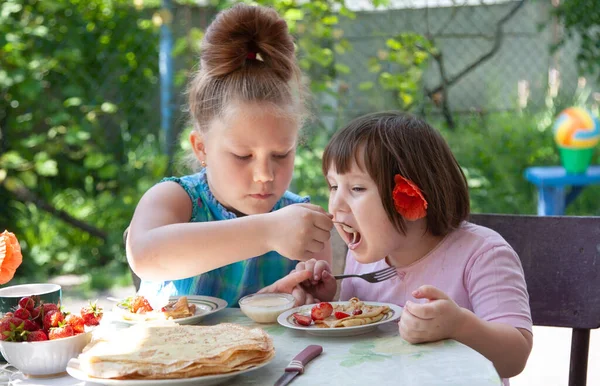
(576, 128)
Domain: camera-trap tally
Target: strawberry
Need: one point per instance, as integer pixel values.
(76, 322)
(47, 307)
(37, 336)
(302, 319)
(140, 305)
(91, 315)
(321, 311)
(30, 325)
(356, 312)
(22, 313)
(36, 312)
(8, 315)
(62, 331)
(27, 303)
(341, 315)
(12, 329)
(52, 319)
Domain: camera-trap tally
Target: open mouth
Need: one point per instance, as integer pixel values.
(352, 236)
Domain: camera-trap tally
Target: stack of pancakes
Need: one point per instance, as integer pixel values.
(165, 352)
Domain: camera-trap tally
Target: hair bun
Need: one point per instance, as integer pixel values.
(243, 30)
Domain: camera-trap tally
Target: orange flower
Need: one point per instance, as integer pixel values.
(408, 199)
(10, 256)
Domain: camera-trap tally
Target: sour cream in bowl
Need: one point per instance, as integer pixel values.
(265, 308)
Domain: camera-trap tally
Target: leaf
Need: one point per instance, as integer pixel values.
(109, 108)
(94, 160)
(342, 68)
(108, 171)
(365, 86)
(293, 14)
(47, 168)
(29, 179)
(74, 101)
(12, 160)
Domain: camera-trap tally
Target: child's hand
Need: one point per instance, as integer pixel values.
(299, 231)
(290, 285)
(320, 283)
(435, 320)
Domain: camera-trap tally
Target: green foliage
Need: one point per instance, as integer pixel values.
(581, 18)
(76, 134)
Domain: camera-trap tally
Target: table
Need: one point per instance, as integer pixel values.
(380, 357)
(551, 182)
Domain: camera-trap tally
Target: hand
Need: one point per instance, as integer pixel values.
(290, 285)
(299, 231)
(320, 283)
(439, 318)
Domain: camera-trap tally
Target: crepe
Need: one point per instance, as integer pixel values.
(368, 314)
(130, 309)
(166, 352)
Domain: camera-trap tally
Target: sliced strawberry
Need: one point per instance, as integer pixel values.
(321, 311)
(52, 319)
(356, 312)
(302, 319)
(341, 315)
(76, 322)
(63, 331)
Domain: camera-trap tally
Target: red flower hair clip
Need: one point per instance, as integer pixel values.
(408, 199)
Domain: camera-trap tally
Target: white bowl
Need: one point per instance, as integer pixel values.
(45, 358)
(265, 308)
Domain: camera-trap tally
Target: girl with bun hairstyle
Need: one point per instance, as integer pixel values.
(233, 228)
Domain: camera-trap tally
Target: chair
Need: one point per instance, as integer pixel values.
(561, 261)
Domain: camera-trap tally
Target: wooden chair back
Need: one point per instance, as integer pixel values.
(561, 261)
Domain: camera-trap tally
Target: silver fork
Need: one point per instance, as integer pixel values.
(374, 277)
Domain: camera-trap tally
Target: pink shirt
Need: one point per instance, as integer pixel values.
(473, 265)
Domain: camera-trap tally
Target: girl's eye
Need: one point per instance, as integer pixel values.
(332, 187)
(281, 156)
(242, 157)
(358, 189)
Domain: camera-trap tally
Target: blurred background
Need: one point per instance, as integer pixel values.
(92, 103)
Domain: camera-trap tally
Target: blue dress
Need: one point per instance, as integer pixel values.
(232, 281)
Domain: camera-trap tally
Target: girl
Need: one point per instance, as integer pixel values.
(399, 198)
(232, 228)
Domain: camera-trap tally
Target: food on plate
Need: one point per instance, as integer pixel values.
(346, 314)
(321, 311)
(138, 308)
(34, 321)
(174, 351)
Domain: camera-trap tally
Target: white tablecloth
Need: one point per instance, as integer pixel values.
(378, 358)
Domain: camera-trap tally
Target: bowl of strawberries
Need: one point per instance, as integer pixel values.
(40, 338)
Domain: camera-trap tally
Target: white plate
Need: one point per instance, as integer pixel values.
(205, 380)
(287, 320)
(205, 305)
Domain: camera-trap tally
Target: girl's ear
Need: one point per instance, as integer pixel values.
(197, 142)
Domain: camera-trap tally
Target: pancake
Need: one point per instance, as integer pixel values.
(174, 351)
(368, 314)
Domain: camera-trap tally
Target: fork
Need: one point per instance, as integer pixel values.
(373, 277)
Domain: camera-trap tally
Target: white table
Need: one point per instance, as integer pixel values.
(380, 357)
